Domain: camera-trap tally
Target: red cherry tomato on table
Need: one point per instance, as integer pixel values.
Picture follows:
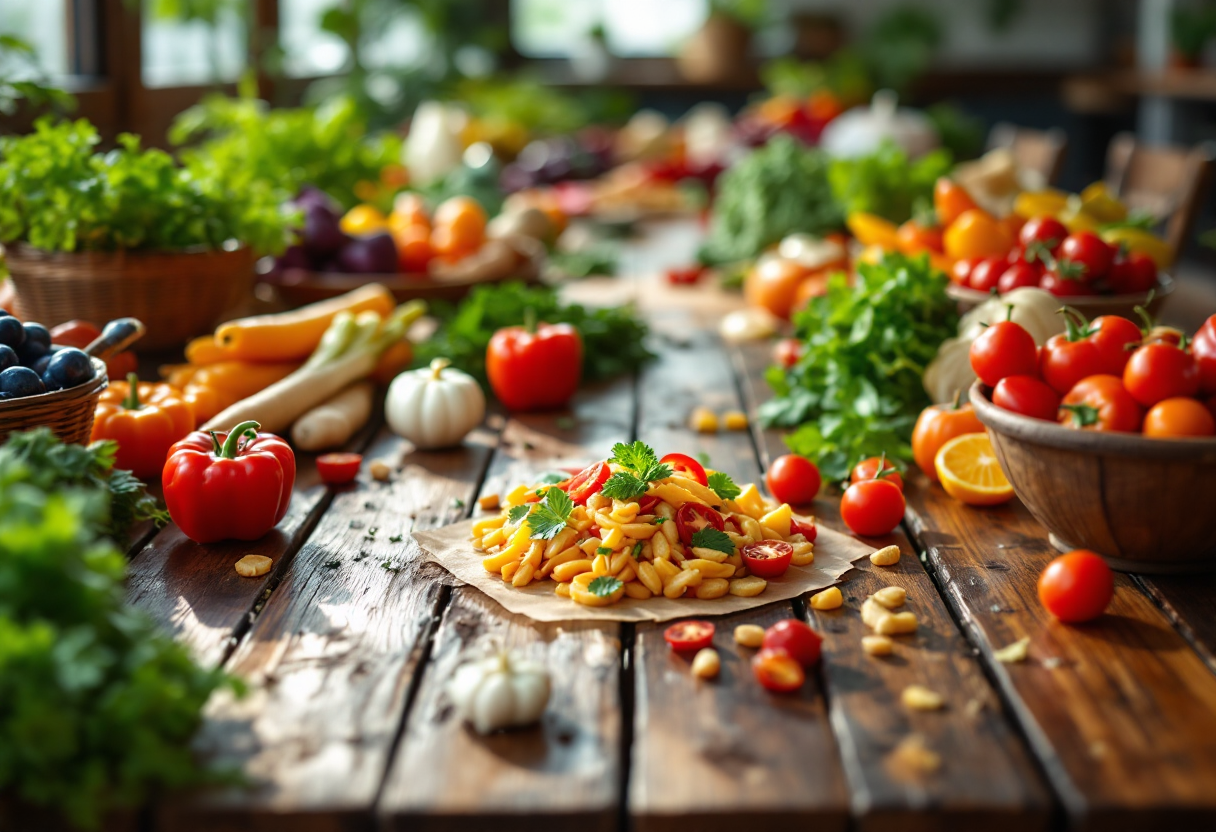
(1113, 335)
(1046, 231)
(1003, 349)
(1203, 347)
(1063, 282)
(587, 482)
(692, 517)
(986, 273)
(689, 636)
(768, 558)
(787, 351)
(872, 508)
(75, 333)
(1179, 417)
(1132, 275)
(1087, 249)
(869, 469)
(777, 671)
(808, 531)
(1069, 357)
(795, 638)
(1017, 276)
(1076, 587)
(338, 469)
(686, 465)
(793, 479)
(1028, 396)
(535, 369)
(1101, 403)
(686, 276)
(1160, 371)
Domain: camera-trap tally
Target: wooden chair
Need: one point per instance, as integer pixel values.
(1040, 151)
(1165, 181)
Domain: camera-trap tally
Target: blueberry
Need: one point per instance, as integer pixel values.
(38, 334)
(12, 333)
(18, 382)
(67, 368)
(4, 313)
(8, 357)
(31, 351)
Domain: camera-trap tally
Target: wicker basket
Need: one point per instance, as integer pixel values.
(68, 413)
(177, 295)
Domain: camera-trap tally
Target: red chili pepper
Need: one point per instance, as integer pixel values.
(219, 489)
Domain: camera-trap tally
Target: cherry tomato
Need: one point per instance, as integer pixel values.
(869, 469)
(1064, 280)
(773, 284)
(787, 351)
(808, 531)
(1017, 276)
(1046, 231)
(122, 365)
(987, 273)
(1101, 403)
(950, 200)
(960, 272)
(1160, 371)
(684, 464)
(535, 369)
(872, 508)
(1003, 349)
(647, 504)
(692, 517)
(587, 482)
(1069, 357)
(75, 333)
(1203, 347)
(689, 636)
(1089, 251)
(777, 671)
(796, 638)
(414, 252)
(768, 558)
(1113, 335)
(685, 276)
(1179, 417)
(1028, 396)
(338, 469)
(793, 479)
(1132, 275)
(937, 425)
(913, 238)
(1077, 586)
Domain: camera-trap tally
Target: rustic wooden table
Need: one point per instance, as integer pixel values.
(347, 643)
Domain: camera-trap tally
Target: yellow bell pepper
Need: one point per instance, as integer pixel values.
(1101, 204)
(873, 230)
(363, 219)
(1139, 240)
(1046, 203)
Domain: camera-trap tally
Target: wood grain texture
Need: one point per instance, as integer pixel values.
(987, 778)
(330, 659)
(1121, 712)
(1190, 602)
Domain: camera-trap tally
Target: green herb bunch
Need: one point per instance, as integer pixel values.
(97, 706)
(58, 193)
(886, 183)
(613, 337)
(856, 391)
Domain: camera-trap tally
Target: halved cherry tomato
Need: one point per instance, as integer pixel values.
(688, 636)
(795, 638)
(793, 479)
(808, 531)
(1160, 371)
(692, 517)
(338, 469)
(787, 351)
(1077, 586)
(1028, 396)
(587, 482)
(872, 508)
(684, 464)
(768, 558)
(1112, 335)
(1003, 349)
(778, 671)
(868, 469)
(684, 276)
(647, 504)
(1101, 403)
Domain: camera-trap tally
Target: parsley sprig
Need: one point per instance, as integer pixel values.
(518, 513)
(711, 538)
(604, 586)
(550, 514)
(722, 485)
(642, 466)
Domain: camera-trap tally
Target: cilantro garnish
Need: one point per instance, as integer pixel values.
(517, 513)
(603, 550)
(724, 486)
(551, 514)
(604, 586)
(623, 486)
(636, 457)
(642, 466)
(637, 549)
(711, 538)
(658, 521)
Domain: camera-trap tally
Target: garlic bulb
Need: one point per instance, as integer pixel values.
(502, 691)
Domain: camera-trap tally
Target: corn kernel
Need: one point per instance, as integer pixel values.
(706, 664)
(734, 420)
(897, 623)
(886, 556)
(891, 597)
(380, 472)
(489, 502)
(749, 635)
(703, 420)
(829, 599)
(920, 698)
(253, 566)
(877, 645)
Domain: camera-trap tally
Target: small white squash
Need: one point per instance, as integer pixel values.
(502, 691)
(436, 406)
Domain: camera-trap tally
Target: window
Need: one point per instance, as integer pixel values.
(309, 50)
(42, 24)
(192, 53)
(632, 28)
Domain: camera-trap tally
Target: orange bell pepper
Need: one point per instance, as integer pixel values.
(207, 401)
(951, 201)
(976, 233)
(242, 378)
(145, 420)
(873, 230)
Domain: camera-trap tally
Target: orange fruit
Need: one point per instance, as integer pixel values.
(977, 233)
(969, 471)
(950, 200)
(414, 251)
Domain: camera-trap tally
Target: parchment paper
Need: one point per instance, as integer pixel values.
(449, 547)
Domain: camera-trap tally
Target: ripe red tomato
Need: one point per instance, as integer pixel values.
(686, 465)
(685, 276)
(1077, 586)
(1062, 282)
(75, 333)
(338, 469)
(1089, 251)
(1203, 347)
(777, 671)
(1017, 276)
(793, 479)
(1003, 349)
(787, 351)
(535, 369)
(692, 517)
(1048, 232)
(1101, 403)
(1112, 335)
(587, 482)
(1160, 371)
(960, 272)
(986, 273)
(1028, 396)
(795, 638)
(869, 469)
(872, 508)
(768, 558)
(1132, 275)
(1179, 417)
(689, 636)
(1069, 357)
(808, 531)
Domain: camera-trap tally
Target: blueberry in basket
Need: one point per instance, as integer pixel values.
(8, 357)
(67, 368)
(12, 333)
(19, 382)
(37, 343)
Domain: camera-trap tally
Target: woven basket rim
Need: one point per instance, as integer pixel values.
(81, 391)
(24, 251)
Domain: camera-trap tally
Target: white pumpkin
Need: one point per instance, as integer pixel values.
(436, 406)
(502, 691)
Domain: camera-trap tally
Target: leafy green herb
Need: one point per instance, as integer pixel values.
(604, 586)
(551, 514)
(457, 502)
(597, 259)
(396, 538)
(722, 485)
(658, 521)
(711, 538)
(553, 478)
(644, 464)
(858, 390)
(517, 513)
(603, 550)
(623, 486)
(886, 183)
(636, 457)
(637, 549)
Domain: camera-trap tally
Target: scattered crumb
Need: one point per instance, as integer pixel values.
(1097, 749)
(914, 755)
(920, 698)
(397, 538)
(253, 566)
(973, 707)
(1052, 662)
(388, 565)
(380, 470)
(1013, 653)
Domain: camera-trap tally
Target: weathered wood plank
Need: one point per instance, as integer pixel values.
(987, 778)
(1190, 602)
(1121, 712)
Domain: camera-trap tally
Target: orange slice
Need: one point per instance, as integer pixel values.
(969, 471)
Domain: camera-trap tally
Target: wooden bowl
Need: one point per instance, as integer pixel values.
(1146, 505)
(1089, 305)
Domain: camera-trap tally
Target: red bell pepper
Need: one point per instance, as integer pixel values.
(535, 367)
(217, 488)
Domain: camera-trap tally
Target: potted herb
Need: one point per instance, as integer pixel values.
(130, 232)
(718, 51)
